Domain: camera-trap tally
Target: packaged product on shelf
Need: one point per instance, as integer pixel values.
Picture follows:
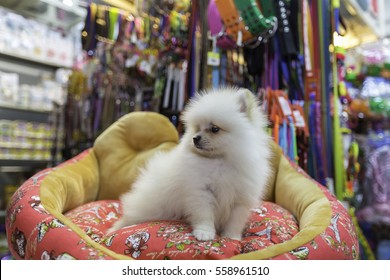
(21, 140)
(3, 28)
(37, 39)
(5, 141)
(39, 143)
(6, 127)
(49, 131)
(36, 97)
(34, 40)
(4, 153)
(9, 86)
(15, 153)
(11, 30)
(24, 96)
(20, 128)
(48, 144)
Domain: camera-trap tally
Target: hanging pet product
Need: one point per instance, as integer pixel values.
(243, 22)
(217, 28)
(255, 21)
(88, 38)
(287, 122)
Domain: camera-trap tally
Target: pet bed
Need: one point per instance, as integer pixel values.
(64, 212)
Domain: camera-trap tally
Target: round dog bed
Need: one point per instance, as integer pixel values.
(65, 212)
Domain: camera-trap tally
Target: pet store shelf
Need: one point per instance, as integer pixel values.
(19, 165)
(53, 12)
(12, 106)
(42, 61)
(18, 113)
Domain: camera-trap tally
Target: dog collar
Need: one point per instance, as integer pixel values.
(256, 22)
(235, 27)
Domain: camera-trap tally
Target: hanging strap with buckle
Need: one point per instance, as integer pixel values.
(231, 19)
(253, 18)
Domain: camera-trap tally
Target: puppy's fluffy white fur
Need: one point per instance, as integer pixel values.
(214, 176)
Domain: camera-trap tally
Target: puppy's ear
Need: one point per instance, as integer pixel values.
(247, 102)
(242, 102)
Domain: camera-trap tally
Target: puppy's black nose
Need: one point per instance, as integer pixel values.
(196, 139)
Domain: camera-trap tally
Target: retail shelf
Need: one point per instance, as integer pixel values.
(42, 61)
(15, 113)
(52, 12)
(25, 146)
(10, 105)
(15, 165)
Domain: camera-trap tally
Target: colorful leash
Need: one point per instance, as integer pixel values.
(338, 143)
(191, 74)
(320, 149)
(283, 137)
(311, 83)
(223, 69)
(314, 79)
(293, 151)
(313, 152)
(114, 23)
(88, 33)
(321, 167)
(326, 95)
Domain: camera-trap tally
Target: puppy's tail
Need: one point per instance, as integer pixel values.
(121, 223)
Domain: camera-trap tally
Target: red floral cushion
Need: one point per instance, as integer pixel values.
(269, 224)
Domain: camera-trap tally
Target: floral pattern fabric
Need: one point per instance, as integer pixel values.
(269, 224)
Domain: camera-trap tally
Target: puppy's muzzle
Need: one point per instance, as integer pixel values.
(196, 140)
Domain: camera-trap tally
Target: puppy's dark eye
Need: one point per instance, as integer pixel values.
(214, 129)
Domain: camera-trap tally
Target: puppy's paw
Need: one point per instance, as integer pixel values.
(204, 234)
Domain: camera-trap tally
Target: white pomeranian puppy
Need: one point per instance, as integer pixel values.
(215, 176)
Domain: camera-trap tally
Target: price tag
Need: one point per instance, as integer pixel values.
(284, 106)
(299, 120)
(213, 59)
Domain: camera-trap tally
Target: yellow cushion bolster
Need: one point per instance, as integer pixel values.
(305, 201)
(125, 147)
(71, 185)
(274, 161)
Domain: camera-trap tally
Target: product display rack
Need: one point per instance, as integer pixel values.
(24, 151)
(14, 112)
(29, 126)
(18, 56)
